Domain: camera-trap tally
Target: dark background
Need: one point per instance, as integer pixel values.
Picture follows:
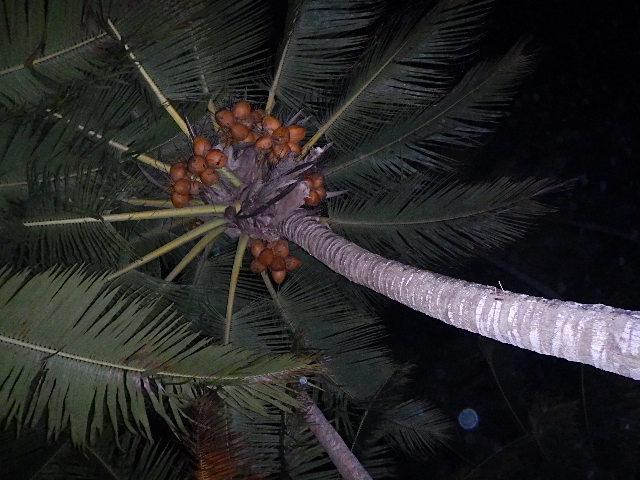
(575, 119)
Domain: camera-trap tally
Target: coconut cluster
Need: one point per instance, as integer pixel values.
(274, 256)
(262, 154)
(243, 124)
(317, 192)
(188, 177)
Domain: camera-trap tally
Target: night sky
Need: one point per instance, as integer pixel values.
(575, 119)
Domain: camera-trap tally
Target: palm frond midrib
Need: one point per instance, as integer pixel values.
(54, 55)
(427, 220)
(407, 134)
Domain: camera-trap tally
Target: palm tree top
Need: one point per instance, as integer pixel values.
(144, 150)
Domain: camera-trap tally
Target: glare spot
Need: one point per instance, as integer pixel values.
(468, 419)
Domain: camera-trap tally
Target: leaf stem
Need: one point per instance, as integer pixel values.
(141, 157)
(229, 175)
(194, 252)
(269, 285)
(172, 245)
(125, 217)
(246, 378)
(277, 302)
(366, 412)
(148, 202)
(164, 101)
(271, 101)
(416, 127)
(350, 100)
(212, 108)
(233, 283)
(53, 55)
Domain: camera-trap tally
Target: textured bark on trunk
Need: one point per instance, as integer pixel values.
(605, 337)
(341, 456)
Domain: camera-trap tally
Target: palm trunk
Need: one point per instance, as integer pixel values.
(605, 337)
(344, 460)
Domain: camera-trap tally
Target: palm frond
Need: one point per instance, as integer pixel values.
(414, 427)
(308, 314)
(191, 49)
(29, 453)
(379, 460)
(129, 457)
(45, 46)
(320, 316)
(216, 273)
(76, 191)
(26, 145)
(408, 66)
(115, 111)
(304, 457)
(219, 452)
(79, 351)
(31, 456)
(232, 52)
(85, 124)
(322, 40)
(263, 435)
(16, 147)
(257, 325)
(463, 118)
(187, 299)
(422, 221)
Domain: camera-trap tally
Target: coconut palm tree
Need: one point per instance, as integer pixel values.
(132, 130)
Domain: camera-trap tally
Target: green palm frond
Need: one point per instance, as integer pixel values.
(414, 427)
(30, 452)
(46, 45)
(408, 66)
(379, 460)
(80, 351)
(17, 143)
(461, 119)
(31, 457)
(217, 272)
(158, 35)
(73, 192)
(308, 312)
(263, 436)
(322, 316)
(188, 300)
(435, 221)
(305, 458)
(81, 127)
(231, 53)
(257, 325)
(218, 452)
(116, 110)
(26, 146)
(322, 41)
(191, 49)
(144, 242)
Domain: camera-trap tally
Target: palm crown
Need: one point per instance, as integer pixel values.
(116, 324)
